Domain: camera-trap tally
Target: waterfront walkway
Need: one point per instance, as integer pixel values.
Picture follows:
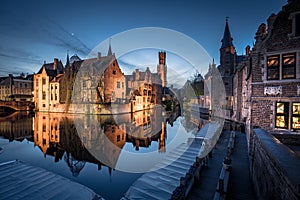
(239, 184)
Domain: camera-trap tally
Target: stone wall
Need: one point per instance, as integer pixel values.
(262, 114)
(288, 139)
(275, 169)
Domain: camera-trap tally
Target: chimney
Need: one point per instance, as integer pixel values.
(248, 50)
(55, 63)
(99, 56)
(137, 74)
(261, 32)
(271, 20)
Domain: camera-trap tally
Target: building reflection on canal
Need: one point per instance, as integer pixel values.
(97, 139)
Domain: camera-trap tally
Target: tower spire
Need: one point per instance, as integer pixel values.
(227, 39)
(68, 59)
(109, 53)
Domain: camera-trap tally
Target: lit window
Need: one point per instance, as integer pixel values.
(282, 114)
(296, 116)
(289, 66)
(273, 67)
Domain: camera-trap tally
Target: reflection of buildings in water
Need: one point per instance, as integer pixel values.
(97, 139)
(75, 165)
(46, 132)
(102, 136)
(147, 126)
(16, 126)
(56, 135)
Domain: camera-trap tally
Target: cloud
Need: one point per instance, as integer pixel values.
(27, 40)
(59, 36)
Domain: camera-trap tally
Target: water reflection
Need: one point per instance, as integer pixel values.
(16, 126)
(75, 138)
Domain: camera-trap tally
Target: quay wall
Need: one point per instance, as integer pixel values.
(275, 168)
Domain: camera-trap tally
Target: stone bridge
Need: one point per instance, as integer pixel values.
(17, 105)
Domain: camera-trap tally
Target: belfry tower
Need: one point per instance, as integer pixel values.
(162, 68)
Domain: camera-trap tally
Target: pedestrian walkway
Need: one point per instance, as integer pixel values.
(209, 176)
(239, 179)
(239, 182)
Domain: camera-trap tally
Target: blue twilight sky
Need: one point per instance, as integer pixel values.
(34, 31)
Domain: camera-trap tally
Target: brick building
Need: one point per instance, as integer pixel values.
(270, 75)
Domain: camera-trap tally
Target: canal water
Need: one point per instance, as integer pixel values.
(105, 153)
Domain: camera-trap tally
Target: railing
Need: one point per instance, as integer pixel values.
(222, 185)
(186, 182)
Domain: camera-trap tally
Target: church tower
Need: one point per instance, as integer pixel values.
(227, 60)
(162, 68)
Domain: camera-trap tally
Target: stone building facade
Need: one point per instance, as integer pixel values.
(270, 75)
(145, 89)
(16, 88)
(42, 86)
(242, 89)
(276, 71)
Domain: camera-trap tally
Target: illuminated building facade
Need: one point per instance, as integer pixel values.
(269, 78)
